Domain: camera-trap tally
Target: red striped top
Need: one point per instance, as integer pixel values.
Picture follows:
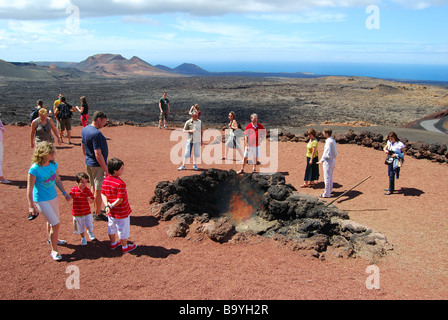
(81, 206)
(114, 188)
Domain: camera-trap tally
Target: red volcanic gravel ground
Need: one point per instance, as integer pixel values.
(414, 221)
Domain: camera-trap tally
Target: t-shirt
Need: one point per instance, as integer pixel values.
(85, 110)
(309, 148)
(81, 206)
(65, 111)
(93, 139)
(395, 147)
(43, 132)
(44, 187)
(56, 104)
(194, 125)
(164, 103)
(2, 129)
(252, 134)
(115, 188)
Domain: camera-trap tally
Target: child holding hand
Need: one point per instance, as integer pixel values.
(115, 199)
(82, 216)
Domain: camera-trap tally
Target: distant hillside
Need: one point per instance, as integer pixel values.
(191, 69)
(165, 68)
(33, 71)
(60, 64)
(116, 66)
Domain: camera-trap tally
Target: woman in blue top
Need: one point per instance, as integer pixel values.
(43, 176)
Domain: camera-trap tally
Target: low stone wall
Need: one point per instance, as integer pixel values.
(437, 152)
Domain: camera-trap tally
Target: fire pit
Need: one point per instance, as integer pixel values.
(222, 205)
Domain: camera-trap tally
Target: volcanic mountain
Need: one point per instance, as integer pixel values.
(116, 66)
(32, 71)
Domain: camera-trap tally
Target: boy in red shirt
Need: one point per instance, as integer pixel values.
(115, 199)
(82, 216)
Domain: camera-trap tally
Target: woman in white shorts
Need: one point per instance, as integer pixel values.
(233, 142)
(43, 176)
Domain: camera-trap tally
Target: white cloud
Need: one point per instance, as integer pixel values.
(223, 29)
(139, 19)
(33, 10)
(307, 17)
(419, 4)
(35, 33)
(54, 9)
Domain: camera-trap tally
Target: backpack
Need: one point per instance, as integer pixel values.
(64, 111)
(34, 114)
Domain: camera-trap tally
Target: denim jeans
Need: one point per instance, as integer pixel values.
(391, 172)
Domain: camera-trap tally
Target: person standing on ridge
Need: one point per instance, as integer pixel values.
(164, 106)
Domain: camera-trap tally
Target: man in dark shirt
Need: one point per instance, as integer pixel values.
(96, 151)
(65, 112)
(164, 106)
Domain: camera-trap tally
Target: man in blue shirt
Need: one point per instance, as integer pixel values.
(95, 149)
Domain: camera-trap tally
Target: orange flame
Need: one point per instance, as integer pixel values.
(239, 209)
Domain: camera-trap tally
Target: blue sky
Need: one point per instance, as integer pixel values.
(226, 32)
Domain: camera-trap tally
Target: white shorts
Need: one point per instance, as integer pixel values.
(196, 147)
(252, 151)
(50, 210)
(80, 224)
(120, 226)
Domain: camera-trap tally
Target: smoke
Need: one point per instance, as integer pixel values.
(239, 199)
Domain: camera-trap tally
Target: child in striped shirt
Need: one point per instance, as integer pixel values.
(115, 199)
(82, 216)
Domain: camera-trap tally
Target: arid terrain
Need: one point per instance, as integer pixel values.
(414, 220)
(279, 102)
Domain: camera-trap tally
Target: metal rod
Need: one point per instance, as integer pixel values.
(348, 190)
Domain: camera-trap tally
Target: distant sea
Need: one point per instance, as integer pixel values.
(411, 72)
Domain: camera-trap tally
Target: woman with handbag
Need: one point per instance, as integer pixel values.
(234, 136)
(312, 159)
(43, 178)
(395, 156)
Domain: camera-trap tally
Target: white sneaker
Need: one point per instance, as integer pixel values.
(60, 242)
(83, 241)
(91, 235)
(55, 255)
(181, 168)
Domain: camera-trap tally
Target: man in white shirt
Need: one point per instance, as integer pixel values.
(328, 161)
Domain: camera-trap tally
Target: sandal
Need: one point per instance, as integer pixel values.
(304, 186)
(32, 216)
